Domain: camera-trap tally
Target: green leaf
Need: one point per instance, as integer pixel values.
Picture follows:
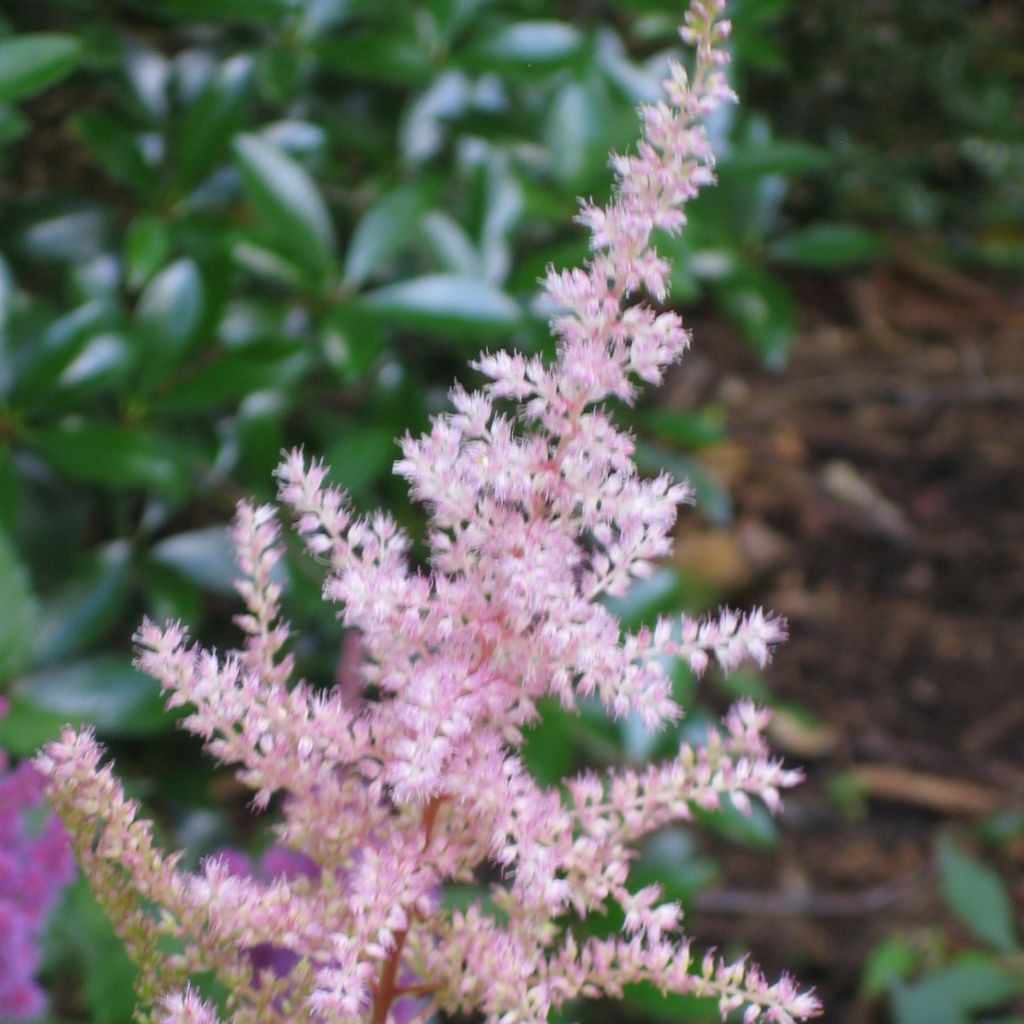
(530, 46)
(20, 616)
(361, 457)
(224, 10)
(205, 557)
(208, 123)
(59, 346)
(547, 745)
(444, 303)
(691, 428)
(647, 598)
(115, 147)
(764, 310)
(167, 318)
(86, 606)
(973, 982)
(828, 246)
(146, 245)
(375, 57)
(383, 230)
(775, 156)
(978, 896)
(29, 63)
(647, 1002)
(235, 375)
(101, 453)
(104, 691)
(170, 308)
(891, 961)
(288, 202)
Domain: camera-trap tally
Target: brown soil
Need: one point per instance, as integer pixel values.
(879, 484)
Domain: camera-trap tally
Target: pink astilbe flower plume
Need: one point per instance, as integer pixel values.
(536, 513)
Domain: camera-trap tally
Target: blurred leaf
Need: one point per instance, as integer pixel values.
(978, 896)
(892, 960)
(103, 364)
(101, 453)
(146, 245)
(84, 608)
(351, 340)
(115, 147)
(70, 237)
(691, 428)
(31, 62)
(756, 830)
(59, 345)
(445, 303)
(648, 598)
(209, 122)
(20, 612)
(203, 556)
(383, 230)
(287, 200)
(973, 982)
(775, 156)
(548, 748)
(646, 1001)
(235, 375)
(451, 245)
(375, 57)
(828, 246)
(530, 46)
(573, 136)
(81, 935)
(764, 310)
(104, 691)
(361, 456)
(223, 10)
(167, 317)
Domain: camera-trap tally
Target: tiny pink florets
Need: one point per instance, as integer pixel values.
(536, 513)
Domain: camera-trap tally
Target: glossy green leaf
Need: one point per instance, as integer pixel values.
(374, 57)
(170, 308)
(113, 456)
(764, 310)
(288, 203)
(211, 119)
(383, 230)
(647, 598)
(20, 612)
(204, 556)
(104, 364)
(104, 691)
(235, 375)
(86, 606)
(828, 246)
(528, 46)
(445, 303)
(146, 246)
(978, 896)
(31, 62)
(58, 347)
(775, 156)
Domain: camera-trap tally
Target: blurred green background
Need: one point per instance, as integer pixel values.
(230, 227)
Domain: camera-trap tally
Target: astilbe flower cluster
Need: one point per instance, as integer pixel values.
(35, 863)
(536, 512)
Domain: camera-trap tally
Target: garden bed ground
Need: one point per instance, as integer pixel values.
(879, 485)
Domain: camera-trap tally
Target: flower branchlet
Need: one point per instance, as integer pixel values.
(535, 514)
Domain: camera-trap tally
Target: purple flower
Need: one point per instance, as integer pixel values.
(33, 868)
